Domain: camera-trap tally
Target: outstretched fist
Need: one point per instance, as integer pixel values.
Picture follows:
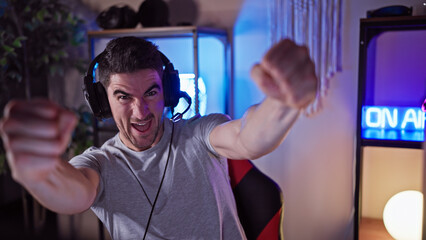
(35, 134)
(287, 74)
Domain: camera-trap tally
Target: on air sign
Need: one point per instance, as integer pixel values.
(393, 123)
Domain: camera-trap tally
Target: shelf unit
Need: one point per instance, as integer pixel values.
(193, 35)
(370, 29)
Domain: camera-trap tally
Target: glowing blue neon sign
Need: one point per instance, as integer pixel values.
(393, 123)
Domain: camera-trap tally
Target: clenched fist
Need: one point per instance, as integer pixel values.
(35, 134)
(287, 74)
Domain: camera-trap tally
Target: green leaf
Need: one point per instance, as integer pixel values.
(40, 15)
(69, 17)
(17, 43)
(3, 61)
(8, 49)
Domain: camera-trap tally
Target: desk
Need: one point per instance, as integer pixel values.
(373, 229)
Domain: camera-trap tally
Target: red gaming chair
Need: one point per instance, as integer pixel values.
(259, 201)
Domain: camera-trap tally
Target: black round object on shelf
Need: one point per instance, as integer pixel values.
(117, 17)
(391, 11)
(154, 13)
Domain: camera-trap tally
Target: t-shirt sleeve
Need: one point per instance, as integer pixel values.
(91, 158)
(206, 125)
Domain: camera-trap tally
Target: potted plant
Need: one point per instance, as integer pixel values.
(36, 39)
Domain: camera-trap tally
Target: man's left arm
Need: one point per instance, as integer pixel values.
(287, 77)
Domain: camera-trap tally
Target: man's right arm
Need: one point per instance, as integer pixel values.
(35, 134)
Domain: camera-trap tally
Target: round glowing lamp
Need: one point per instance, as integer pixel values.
(402, 215)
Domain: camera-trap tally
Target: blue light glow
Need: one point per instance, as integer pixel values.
(94, 72)
(393, 123)
(187, 84)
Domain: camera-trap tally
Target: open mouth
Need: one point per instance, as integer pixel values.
(142, 126)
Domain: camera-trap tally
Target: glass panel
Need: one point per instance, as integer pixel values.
(386, 172)
(396, 79)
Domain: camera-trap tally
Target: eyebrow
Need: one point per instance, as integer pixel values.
(155, 85)
(118, 91)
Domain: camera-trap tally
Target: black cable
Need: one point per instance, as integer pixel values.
(161, 183)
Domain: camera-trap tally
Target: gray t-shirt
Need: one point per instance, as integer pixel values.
(195, 201)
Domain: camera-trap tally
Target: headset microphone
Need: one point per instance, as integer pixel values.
(178, 116)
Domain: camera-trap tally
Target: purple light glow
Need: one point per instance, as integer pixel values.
(396, 69)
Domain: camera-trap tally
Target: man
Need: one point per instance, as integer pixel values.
(156, 178)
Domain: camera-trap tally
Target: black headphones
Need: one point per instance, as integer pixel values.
(97, 98)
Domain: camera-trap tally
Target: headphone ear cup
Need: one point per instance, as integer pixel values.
(171, 86)
(97, 99)
(103, 102)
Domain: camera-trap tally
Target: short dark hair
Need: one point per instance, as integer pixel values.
(127, 55)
